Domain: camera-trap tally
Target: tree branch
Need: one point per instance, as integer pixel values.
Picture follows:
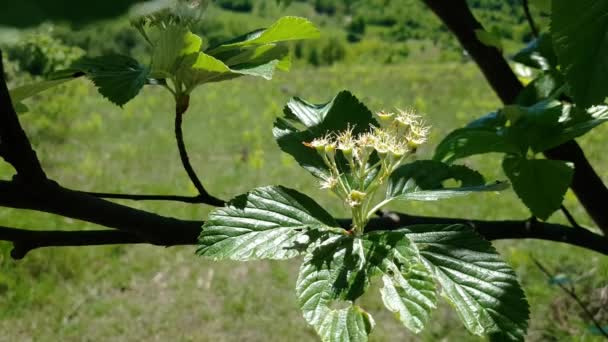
(135, 197)
(15, 147)
(529, 18)
(27, 240)
(586, 184)
(180, 109)
(572, 293)
(52, 198)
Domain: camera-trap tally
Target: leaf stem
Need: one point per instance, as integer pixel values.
(181, 105)
(378, 206)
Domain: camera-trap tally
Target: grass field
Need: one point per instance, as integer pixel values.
(146, 293)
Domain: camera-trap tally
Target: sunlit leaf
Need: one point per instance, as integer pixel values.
(422, 181)
(266, 223)
(474, 279)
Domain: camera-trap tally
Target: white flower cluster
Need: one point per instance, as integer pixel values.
(397, 137)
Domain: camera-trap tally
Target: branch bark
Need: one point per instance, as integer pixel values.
(586, 184)
(52, 198)
(137, 197)
(15, 147)
(26, 240)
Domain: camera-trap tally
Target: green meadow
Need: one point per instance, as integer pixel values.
(148, 293)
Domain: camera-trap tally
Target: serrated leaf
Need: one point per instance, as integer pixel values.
(173, 49)
(411, 297)
(469, 141)
(409, 289)
(342, 112)
(538, 54)
(422, 181)
(267, 223)
(23, 92)
(338, 271)
(580, 36)
(540, 183)
(284, 29)
(474, 279)
(118, 78)
(203, 68)
(325, 278)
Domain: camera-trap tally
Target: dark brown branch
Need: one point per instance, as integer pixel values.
(52, 198)
(136, 197)
(586, 184)
(27, 240)
(180, 109)
(529, 18)
(572, 293)
(15, 147)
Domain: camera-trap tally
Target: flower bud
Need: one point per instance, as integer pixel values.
(355, 198)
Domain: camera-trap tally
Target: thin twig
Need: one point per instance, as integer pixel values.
(570, 218)
(530, 19)
(135, 197)
(180, 108)
(571, 292)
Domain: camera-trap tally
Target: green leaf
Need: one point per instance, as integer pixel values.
(540, 183)
(267, 223)
(542, 5)
(118, 78)
(578, 124)
(409, 289)
(580, 36)
(175, 48)
(338, 271)
(284, 29)
(326, 275)
(203, 69)
(571, 123)
(257, 53)
(491, 39)
(176, 53)
(538, 54)
(20, 108)
(537, 124)
(469, 141)
(339, 114)
(548, 84)
(422, 181)
(25, 91)
(474, 279)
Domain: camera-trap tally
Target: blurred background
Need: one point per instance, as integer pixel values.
(389, 53)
